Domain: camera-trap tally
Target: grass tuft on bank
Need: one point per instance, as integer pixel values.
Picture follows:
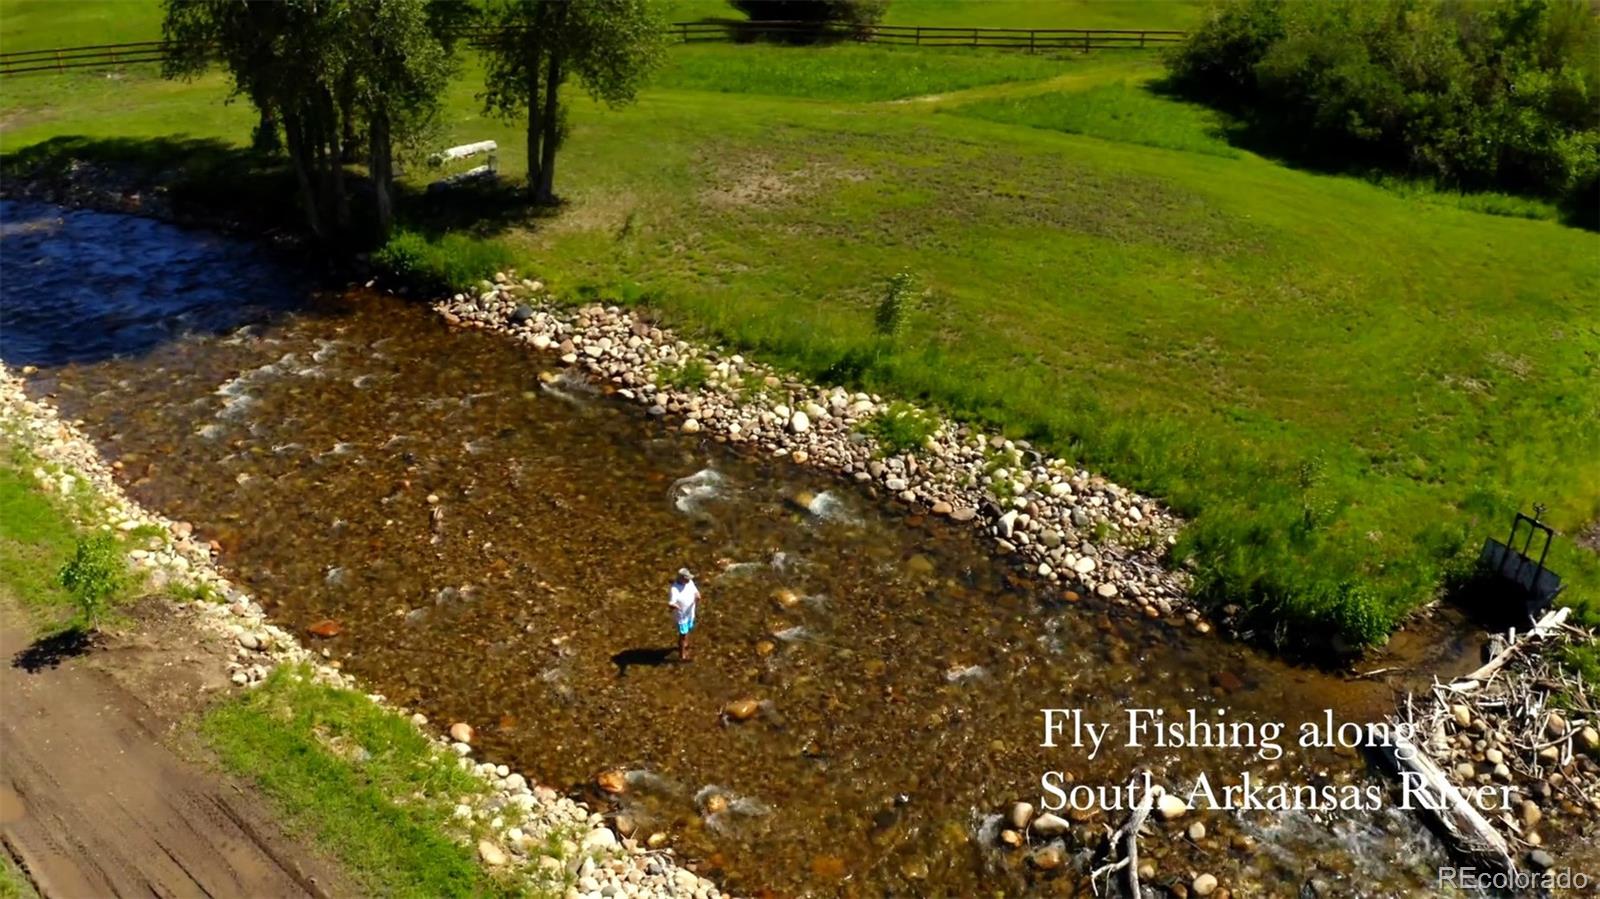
(335, 762)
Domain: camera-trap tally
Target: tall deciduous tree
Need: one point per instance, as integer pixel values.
(328, 71)
(611, 45)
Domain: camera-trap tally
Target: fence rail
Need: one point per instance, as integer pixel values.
(1032, 40)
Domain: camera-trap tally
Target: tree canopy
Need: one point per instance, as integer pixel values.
(1488, 93)
(331, 72)
(611, 45)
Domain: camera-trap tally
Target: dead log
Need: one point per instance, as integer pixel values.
(1468, 831)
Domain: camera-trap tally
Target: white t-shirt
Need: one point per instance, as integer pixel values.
(683, 600)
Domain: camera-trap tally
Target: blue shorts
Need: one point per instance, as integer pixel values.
(686, 625)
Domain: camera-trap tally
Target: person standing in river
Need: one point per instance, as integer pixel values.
(683, 599)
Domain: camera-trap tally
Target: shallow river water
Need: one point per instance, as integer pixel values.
(497, 551)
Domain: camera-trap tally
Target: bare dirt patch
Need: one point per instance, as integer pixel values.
(757, 180)
(103, 791)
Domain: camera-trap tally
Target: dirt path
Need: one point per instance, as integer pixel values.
(93, 802)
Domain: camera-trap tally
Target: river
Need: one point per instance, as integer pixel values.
(497, 550)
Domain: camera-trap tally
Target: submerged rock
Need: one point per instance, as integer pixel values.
(741, 709)
(325, 628)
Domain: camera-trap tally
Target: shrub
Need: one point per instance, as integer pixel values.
(453, 262)
(94, 575)
(901, 428)
(854, 13)
(1502, 93)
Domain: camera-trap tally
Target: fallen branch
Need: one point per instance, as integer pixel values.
(1124, 844)
(1551, 621)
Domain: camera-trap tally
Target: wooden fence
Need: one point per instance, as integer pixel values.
(92, 56)
(1032, 40)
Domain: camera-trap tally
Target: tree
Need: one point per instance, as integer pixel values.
(328, 71)
(610, 44)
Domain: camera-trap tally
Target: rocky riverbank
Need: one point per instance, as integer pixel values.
(1078, 533)
(516, 824)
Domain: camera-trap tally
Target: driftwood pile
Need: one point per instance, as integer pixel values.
(1522, 725)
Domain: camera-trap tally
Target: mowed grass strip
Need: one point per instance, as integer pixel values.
(845, 72)
(1345, 388)
(1127, 112)
(359, 779)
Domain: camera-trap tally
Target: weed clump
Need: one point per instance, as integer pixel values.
(689, 374)
(901, 428)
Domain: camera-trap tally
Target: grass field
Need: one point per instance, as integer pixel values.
(1346, 385)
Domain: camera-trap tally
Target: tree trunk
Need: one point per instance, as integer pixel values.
(300, 157)
(535, 123)
(547, 157)
(381, 166)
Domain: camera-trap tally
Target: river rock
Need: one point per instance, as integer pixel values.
(1541, 860)
(1530, 813)
(1197, 831)
(492, 855)
(1170, 806)
(1106, 590)
(799, 423)
(613, 781)
(1556, 726)
(1047, 858)
(691, 426)
(940, 507)
(1084, 565)
(325, 628)
(1203, 885)
(461, 732)
(741, 709)
(1589, 739)
(601, 839)
(1021, 814)
(1462, 715)
(1048, 825)
(1007, 523)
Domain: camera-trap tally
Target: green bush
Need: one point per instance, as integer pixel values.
(1494, 94)
(452, 262)
(901, 428)
(94, 576)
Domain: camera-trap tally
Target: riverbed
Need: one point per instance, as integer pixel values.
(495, 547)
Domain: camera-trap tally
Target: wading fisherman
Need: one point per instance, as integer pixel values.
(683, 599)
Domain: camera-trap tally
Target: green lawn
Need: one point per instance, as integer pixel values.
(1345, 385)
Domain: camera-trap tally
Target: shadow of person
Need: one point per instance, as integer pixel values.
(642, 655)
(48, 652)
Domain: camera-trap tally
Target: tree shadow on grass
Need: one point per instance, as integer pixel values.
(51, 651)
(201, 178)
(480, 208)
